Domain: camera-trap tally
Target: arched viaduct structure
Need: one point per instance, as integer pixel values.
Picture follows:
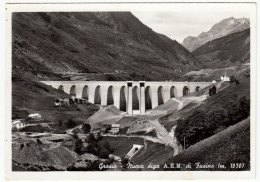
(134, 97)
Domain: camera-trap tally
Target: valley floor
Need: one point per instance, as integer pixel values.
(52, 141)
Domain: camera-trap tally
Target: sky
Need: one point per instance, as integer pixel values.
(183, 20)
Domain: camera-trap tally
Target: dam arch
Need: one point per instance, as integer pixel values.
(197, 89)
(110, 96)
(185, 91)
(128, 96)
(61, 88)
(73, 90)
(148, 100)
(85, 92)
(97, 97)
(173, 92)
(135, 98)
(122, 102)
(160, 95)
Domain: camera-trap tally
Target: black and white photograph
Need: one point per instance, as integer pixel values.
(162, 87)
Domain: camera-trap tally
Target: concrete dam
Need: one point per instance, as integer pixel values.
(133, 97)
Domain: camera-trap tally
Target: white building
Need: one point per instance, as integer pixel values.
(18, 123)
(224, 78)
(34, 116)
(115, 128)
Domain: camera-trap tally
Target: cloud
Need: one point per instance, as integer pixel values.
(190, 19)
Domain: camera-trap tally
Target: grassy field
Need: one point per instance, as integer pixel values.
(229, 146)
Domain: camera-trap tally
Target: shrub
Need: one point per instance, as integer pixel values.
(91, 149)
(124, 162)
(123, 131)
(217, 118)
(104, 153)
(70, 124)
(103, 145)
(99, 137)
(91, 138)
(232, 79)
(86, 128)
(78, 146)
(194, 128)
(212, 90)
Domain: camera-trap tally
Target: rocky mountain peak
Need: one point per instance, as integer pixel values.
(221, 29)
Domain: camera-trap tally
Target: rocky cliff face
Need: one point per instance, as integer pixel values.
(221, 29)
(101, 45)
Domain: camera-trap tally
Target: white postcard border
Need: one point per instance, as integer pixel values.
(144, 175)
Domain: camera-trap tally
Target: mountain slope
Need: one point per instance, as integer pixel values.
(227, 147)
(230, 93)
(34, 97)
(223, 28)
(231, 50)
(108, 45)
